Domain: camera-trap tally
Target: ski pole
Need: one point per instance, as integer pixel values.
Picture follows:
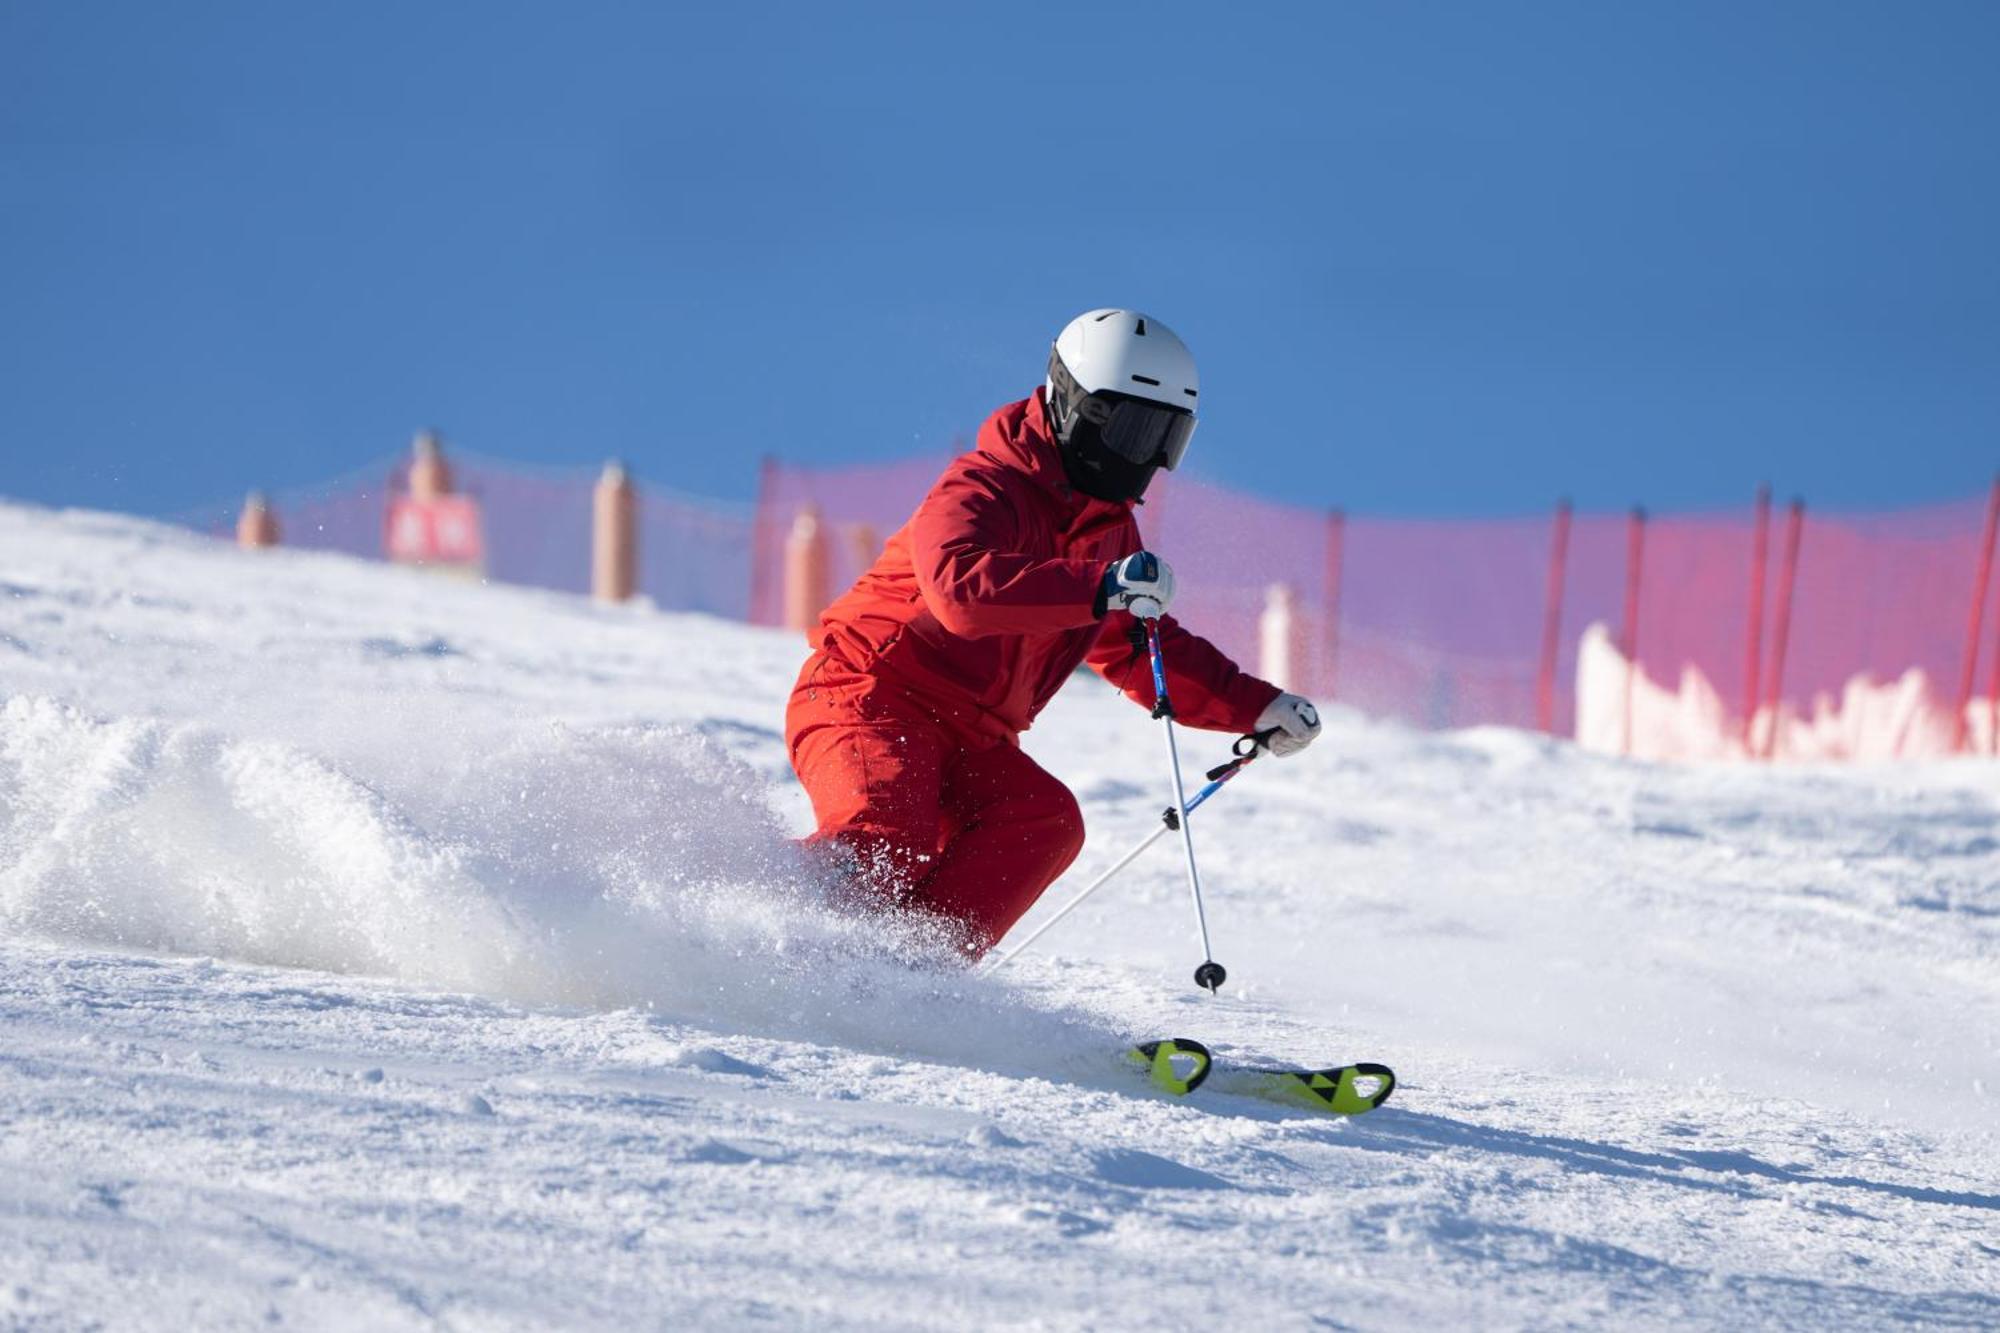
(1211, 973)
(1170, 820)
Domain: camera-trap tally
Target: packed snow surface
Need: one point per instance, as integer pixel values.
(383, 951)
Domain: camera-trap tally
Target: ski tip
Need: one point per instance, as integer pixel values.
(1354, 1089)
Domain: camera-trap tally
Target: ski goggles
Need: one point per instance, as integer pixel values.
(1138, 430)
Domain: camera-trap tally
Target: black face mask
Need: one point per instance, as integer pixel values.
(1098, 472)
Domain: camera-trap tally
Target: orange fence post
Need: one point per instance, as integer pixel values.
(431, 524)
(1969, 666)
(1782, 619)
(614, 536)
(1635, 550)
(1545, 675)
(257, 525)
(1336, 538)
(807, 577)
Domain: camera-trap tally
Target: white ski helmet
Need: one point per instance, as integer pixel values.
(1122, 392)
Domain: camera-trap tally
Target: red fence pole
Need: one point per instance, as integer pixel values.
(764, 609)
(1993, 692)
(1635, 549)
(1336, 538)
(1782, 620)
(1545, 677)
(1969, 667)
(1753, 649)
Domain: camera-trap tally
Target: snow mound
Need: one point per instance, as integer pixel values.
(608, 868)
(174, 838)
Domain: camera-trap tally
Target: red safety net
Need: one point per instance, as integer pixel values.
(1872, 595)
(1440, 622)
(695, 554)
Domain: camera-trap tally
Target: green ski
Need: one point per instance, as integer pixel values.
(1179, 1065)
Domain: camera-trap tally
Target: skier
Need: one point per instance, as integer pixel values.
(1022, 563)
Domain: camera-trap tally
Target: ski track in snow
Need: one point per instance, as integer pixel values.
(387, 952)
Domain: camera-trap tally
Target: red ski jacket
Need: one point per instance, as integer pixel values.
(984, 602)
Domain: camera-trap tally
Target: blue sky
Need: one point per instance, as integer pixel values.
(1438, 259)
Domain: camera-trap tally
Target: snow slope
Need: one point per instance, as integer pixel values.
(382, 951)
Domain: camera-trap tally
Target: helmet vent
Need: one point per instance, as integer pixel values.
(1141, 330)
(1106, 315)
(1190, 393)
(1147, 379)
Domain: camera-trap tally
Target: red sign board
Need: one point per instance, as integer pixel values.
(440, 531)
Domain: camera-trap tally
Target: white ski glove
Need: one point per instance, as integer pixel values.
(1296, 722)
(1141, 584)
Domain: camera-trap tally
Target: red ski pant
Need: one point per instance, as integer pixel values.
(960, 827)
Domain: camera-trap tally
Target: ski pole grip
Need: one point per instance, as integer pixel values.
(1245, 749)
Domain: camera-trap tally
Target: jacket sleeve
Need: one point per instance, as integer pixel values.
(1209, 691)
(965, 542)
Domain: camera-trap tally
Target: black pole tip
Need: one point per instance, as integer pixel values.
(1210, 975)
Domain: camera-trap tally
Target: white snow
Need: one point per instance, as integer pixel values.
(1622, 710)
(383, 951)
